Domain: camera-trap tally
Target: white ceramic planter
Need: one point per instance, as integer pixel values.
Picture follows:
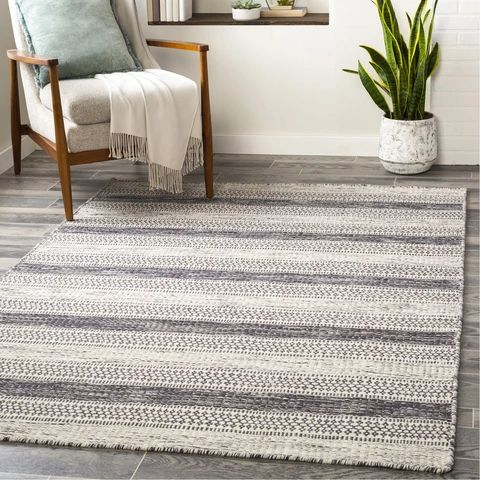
(244, 15)
(408, 146)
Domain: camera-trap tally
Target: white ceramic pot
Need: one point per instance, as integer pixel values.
(244, 15)
(408, 146)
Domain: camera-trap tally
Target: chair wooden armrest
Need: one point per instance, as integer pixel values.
(31, 59)
(192, 46)
(59, 149)
(52, 63)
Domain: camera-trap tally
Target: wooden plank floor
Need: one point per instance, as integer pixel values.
(31, 206)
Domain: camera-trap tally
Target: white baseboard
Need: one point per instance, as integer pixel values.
(312, 145)
(298, 145)
(270, 145)
(6, 157)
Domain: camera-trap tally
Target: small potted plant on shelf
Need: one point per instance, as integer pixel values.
(245, 10)
(408, 135)
(280, 4)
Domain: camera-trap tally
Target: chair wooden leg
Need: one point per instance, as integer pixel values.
(208, 167)
(206, 126)
(17, 150)
(15, 123)
(66, 184)
(61, 146)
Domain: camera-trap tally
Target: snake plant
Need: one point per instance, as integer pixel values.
(400, 83)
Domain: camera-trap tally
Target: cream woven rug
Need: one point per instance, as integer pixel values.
(318, 323)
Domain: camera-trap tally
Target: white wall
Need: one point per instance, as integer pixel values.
(280, 89)
(455, 88)
(6, 42)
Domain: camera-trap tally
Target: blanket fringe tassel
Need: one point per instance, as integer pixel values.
(123, 145)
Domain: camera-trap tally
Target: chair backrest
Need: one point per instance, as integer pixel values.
(126, 12)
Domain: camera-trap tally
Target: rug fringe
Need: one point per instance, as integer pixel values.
(226, 453)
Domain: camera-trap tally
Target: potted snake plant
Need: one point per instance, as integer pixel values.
(398, 86)
(245, 10)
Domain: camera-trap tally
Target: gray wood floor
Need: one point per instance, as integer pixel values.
(31, 206)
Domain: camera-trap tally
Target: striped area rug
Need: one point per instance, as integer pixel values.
(316, 323)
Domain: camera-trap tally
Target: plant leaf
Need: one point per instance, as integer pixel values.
(422, 44)
(381, 84)
(395, 29)
(392, 46)
(426, 16)
(379, 71)
(389, 76)
(403, 92)
(414, 33)
(433, 60)
(432, 21)
(415, 50)
(409, 21)
(372, 90)
(414, 103)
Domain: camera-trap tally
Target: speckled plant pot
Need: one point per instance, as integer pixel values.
(408, 146)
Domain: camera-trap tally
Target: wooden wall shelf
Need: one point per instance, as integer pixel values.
(226, 19)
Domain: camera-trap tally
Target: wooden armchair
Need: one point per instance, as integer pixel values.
(71, 133)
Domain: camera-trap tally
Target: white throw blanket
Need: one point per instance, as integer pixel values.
(155, 119)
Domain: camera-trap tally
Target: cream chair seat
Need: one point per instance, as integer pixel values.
(84, 101)
(86, 112)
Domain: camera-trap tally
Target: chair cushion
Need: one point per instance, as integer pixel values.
(84, 102)
(83, 34)
(81, 138)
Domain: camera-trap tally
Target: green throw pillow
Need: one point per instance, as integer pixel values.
(83, 34)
